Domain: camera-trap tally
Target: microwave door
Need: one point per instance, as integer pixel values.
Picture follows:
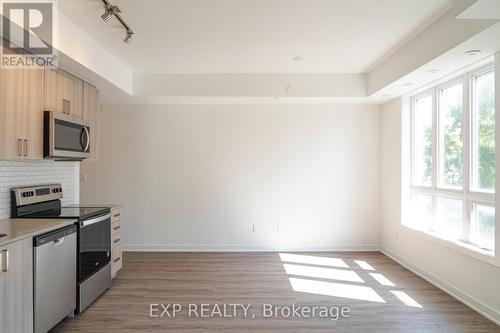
(65, 137)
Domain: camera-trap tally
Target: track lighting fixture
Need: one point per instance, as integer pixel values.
(128, 37)
(109, 12)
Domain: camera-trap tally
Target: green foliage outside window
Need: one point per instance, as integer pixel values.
(453, 138)
(486, 131)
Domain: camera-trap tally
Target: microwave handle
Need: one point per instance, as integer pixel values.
(88, 139)
(85, 146)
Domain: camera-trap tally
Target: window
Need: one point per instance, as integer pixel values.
(449, 217)
(422, 142)
(483, 226)
(451, 118)
(483, 132)
(453, 161)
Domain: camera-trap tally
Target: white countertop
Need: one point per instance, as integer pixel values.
(111, 206)
(17, 229)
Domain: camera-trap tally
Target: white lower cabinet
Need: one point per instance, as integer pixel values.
(16, 287)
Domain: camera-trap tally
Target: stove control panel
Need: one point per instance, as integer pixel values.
(36, 194)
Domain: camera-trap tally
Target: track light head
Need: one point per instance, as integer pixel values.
(128, 37)
(106, 16)
(109, 12)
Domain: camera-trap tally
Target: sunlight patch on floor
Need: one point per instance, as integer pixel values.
(382, 279)
(323, 273)
(364, 265)
(313, 260)
(351, 288)
(336, 289)
(407, 300)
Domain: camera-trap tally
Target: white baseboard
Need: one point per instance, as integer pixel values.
(451, 290)
(256, 248)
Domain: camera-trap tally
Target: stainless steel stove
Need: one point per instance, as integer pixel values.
(93, 235)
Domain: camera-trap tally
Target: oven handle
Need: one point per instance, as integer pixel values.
(96, 220)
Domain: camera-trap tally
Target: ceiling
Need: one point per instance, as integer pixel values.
(255, 36)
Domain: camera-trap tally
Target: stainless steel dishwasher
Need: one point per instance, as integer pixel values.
(54, 263)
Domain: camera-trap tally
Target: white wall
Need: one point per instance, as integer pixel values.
(473, 281)
(26, 173)
(199, 177)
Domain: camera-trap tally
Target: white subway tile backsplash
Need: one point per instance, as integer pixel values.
(26, 173)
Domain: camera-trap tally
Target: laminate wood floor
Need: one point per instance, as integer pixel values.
(388, 298)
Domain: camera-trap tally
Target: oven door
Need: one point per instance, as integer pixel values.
(94, 245)
(65, 137)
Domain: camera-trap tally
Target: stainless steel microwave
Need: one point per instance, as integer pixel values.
(65, 138)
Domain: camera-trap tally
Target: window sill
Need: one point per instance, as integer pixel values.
(487, 256)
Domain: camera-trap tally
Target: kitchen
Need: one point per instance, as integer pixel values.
(45, 248)
(273, 166)
(46, 245)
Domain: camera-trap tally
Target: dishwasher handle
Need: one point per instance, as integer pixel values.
(57, 236)
(59, 241)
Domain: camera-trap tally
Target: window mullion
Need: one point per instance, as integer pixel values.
(412, 141)
(466, 156)
(435, 126)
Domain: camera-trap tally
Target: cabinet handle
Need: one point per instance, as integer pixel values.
(116, 228)
(19, 147)
(69, 107)
(117, 259)
(116, 240)
(25, 147)
(65, 106)
(4, 261)
(116, 215)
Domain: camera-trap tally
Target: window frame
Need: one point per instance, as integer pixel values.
(473, 75)
(414, 100)
(436, 113)
(468, 195)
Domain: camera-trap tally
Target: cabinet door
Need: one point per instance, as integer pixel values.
(11, 114)
(33, 88)
(63, 92)
(16, 287)
(75, 96)
(91, 113)
(54, 91)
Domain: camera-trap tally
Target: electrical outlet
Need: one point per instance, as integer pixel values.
(277, 228)
(83, 177)
(253, 228)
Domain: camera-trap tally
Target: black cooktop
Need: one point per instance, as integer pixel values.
(80, 213)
